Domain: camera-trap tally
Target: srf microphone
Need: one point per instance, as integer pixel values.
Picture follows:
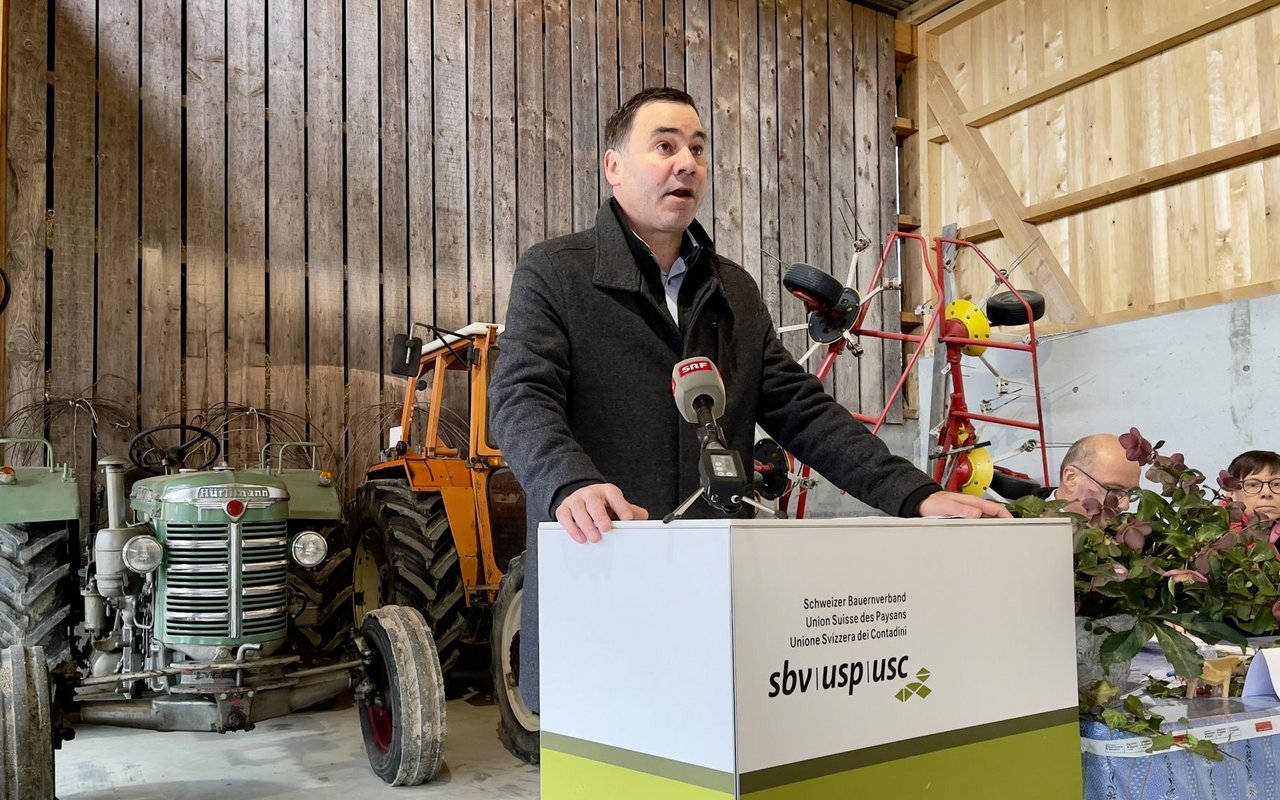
(699, 393)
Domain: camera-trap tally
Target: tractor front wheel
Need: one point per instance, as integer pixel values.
(26, 725)
(519, 727)
(401, 701)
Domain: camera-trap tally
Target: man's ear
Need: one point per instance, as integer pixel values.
(612, 167)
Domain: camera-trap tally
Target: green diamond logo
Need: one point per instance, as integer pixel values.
(916, 688)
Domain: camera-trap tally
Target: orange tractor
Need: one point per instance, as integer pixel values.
(440, 524)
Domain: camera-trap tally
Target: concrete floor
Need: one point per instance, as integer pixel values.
(317, 755)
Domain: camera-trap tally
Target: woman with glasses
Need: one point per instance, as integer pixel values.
(1259, 474)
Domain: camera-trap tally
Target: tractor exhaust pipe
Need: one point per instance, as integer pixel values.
(109, 541)
(113, 468)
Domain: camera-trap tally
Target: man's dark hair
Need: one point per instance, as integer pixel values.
(618, 128)
(1251, 462)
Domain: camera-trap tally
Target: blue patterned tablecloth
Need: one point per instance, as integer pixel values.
(1250, 771)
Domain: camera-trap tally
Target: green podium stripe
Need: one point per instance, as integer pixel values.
(1034, 741)
(601, 760)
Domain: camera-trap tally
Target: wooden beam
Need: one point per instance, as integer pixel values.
(4, 159)
(946, 15)
(903, 127)
(1063, 300)
(26, 83)
(908, 222)
(904, 42)
(1180, 32)
(1205, 300)
(1245, 151)
(924, 10)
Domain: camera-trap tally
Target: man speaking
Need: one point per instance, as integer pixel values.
(581, 395)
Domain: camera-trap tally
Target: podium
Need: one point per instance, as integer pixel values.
(868, 658)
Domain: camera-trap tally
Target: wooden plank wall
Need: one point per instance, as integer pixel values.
(1142, 138)
(239, 203)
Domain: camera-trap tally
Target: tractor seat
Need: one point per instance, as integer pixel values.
(1006, 309)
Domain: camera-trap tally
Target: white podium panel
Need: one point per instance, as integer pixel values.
(834, 658)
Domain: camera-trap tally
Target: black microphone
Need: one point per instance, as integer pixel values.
(699, 394)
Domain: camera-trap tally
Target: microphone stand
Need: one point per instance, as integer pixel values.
(720, 471)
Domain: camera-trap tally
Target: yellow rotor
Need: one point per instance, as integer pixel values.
(983, 469)
(975, 322)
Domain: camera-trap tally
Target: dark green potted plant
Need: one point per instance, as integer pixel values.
(1179, 563)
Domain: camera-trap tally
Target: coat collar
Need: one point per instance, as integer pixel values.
(619, 252)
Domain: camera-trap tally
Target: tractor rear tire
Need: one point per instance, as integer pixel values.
(518, 727)
(405, 536)
(36, 588)
(26, 725)
(321, 608)
(402, 715)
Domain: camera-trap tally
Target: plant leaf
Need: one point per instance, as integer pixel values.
(1205, 748)
(1181, 653)
(1161, 742)
(1122, 645)
(1210, 630)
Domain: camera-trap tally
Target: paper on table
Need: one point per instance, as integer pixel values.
(1264, 674)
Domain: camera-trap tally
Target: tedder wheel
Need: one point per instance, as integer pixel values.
(26, 725)
(405, 555)
(773, 465)
(1012, 487)
(1006, 309)
(401, 702)
(813, 282)
(518, 725)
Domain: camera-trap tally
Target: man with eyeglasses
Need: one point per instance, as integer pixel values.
(1096, 467)
(1259, 474)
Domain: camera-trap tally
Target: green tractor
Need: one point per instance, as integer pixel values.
(212, 599)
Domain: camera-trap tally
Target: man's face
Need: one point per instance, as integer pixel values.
(660, 173)
(1110, 473)
(1260, 503)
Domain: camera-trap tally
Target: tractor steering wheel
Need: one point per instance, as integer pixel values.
(149, 455)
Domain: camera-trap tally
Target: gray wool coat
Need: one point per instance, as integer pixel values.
(581, 392)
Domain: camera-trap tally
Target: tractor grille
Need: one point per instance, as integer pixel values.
(226, 581)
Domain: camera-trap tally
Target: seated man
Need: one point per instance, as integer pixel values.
(1259, 474)
(1096, 467)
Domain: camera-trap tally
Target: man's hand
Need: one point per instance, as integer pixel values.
(590, 511)
(954, 504)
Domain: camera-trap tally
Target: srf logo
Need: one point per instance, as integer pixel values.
(695, 366)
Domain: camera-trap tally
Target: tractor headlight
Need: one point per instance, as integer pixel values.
(142, 554)
(309, 548)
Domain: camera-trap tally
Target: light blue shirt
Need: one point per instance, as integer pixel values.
(671, 281)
